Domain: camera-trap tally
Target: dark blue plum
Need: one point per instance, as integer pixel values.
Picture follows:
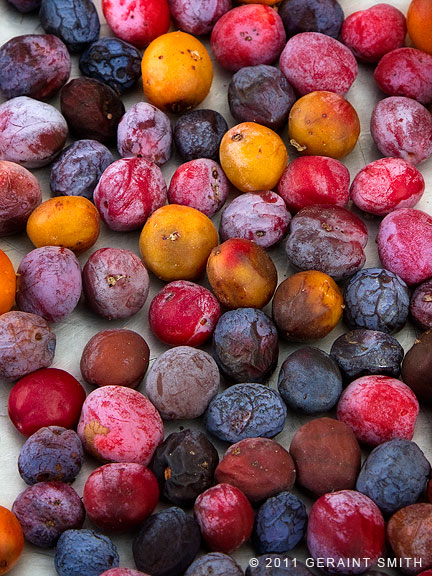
(77, 170)
(113, 62)
(364, 352)
(167, 543)
(278, 565)
(280, 524)
(394, 475)
(198, 134)
(51, 453)
(84, 553)
(216, 564)
(261, 94)
(245, 345)
(310, 381)
(76, 22)
(325, 16)
(246, 411)
(376, 299)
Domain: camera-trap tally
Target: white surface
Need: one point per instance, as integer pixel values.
(74, 332)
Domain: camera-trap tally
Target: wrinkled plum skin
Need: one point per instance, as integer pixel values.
(26, 344)
(35, 65)
(145, 132)
(20, 194)
(51, 453)
(245, 345)
(329, 239)
(84, 553)
(156, 551)
(325, 16)
(261, 94)
(115, 283)
(46, 510)
(280, 565)
(216, 564)
(92, 109)
(363, 352)
(280, 524)
(261, 217)
(421, 305)
(376, 299)
(25, 6)
(246, 411)
(78, 168)
(31, 132)
(198, 134)
(50, 283)
(198, 17)
(76, 22)
(184, 465)
(394, 475)
(112, 61)
(310, 381)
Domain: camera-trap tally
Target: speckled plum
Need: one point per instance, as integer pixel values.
(20, 194)
(216, 564)
(246, 36)
(225, 517)
(260, 467)
(32, 133)
(314, 180)
(84, 553)
(200, 184)
(198, 133)
(261, 217)
(78, 168)
(405, 244)
(330, 239)
(246, 411)
(313, 61)
(119, 496)
(184, 314)
(373, 32)
(145, 132)
(35, 65)
(421, 305)
(378, 409)
(198, 17)
(128, 192)
(26, 344)
(49, 283)
(402, 128)
(386, 185)
(46, 510)
(182, 382)
(245, 345)
(115, 283)
(342, 526)
(118, 424)
(326, 455)
(51, 453)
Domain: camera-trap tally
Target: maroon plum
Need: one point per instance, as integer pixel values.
(198, 17)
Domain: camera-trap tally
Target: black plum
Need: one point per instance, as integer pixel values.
(280, 524)
(113, 62)
(167, 543)
(376, 299)
(245, 345)
(184, 465)
(51, 453)
(76, 22)
(84, 553)
(277, 565)
(78, 168)
(261, 94)
(394, 475)
(363, 352)
(246, 411)
(216, 564)
(325, 16)
(310, 381)
(198, 134)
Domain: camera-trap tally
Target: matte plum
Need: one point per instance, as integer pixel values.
(325, 16)
(84, 553)
(215, 563)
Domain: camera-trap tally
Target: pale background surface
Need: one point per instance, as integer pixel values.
(75, 331)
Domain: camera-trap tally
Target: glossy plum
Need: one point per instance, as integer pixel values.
(325, 16)
(78, 168)
(35, 65)
(198, 134)
(198, 16)
(84, 553)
